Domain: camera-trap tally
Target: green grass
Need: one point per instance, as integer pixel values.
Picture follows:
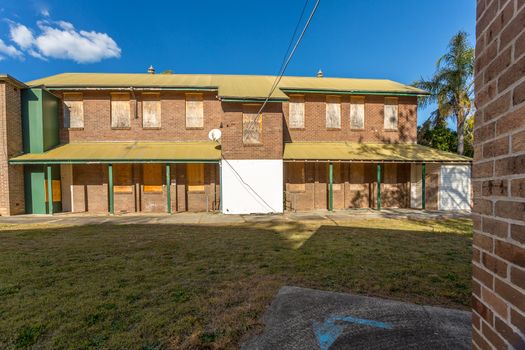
(193, 287)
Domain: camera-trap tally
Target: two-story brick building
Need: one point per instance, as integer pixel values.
(139, 143)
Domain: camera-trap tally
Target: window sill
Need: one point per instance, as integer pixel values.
(194, 128)
(333, 129)
(391, 130)
(357, 129)
(253, 144)
(125, 128)
(299, 129)
(151, 128)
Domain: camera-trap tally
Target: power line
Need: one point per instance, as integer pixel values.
(283, 70)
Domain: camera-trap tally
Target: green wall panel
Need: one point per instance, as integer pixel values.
(39, 120)
(34, 178)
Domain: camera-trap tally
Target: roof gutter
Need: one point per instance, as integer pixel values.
(355, 92)
(127, 88)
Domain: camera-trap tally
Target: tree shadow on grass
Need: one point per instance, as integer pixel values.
(183, 286)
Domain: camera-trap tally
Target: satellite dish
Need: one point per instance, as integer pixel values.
(214, 134)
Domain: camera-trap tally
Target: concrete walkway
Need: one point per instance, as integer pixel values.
(301, 318)
(318, 216)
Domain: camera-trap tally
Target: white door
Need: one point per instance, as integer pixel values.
(454, 187)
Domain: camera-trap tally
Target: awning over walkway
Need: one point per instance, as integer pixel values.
(125, 152)
(363, 152)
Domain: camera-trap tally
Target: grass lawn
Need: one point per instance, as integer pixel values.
(194, 287)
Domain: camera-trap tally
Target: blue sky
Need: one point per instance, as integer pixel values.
(398, 40)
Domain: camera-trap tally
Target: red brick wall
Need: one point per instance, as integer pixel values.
(90, 191)
(355, 187)
(315, 122)
(11, 177)
(272, 133)
(499, 176)
(97, 119)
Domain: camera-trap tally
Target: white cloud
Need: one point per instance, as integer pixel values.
(44, 12)
(10, 51)
(62, 41)
(21, 35)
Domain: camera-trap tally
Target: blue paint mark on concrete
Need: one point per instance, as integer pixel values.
(328, 331)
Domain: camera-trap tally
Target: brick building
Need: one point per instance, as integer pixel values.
(499, 177)
(139, 143)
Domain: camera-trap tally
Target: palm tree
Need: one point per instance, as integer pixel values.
(451, 87)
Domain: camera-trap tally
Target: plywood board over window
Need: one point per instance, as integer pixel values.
(357, 112)
(152, 177)
(296, 111)
(56, 188)
(195, 177)
(391, 113)
(151, 110)
(333, 112)
(122, 178)
(296, 178)
(120, 110)
(194, 110)
(73, 110)
(251, 127)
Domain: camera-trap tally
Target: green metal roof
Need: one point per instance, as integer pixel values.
(229, 87)
(124, 152)
(353, 151)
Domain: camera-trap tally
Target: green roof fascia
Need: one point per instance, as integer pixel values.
(148, 88)
(354, 92)
(252, 100)
(111, 161)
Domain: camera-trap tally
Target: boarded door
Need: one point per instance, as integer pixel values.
(454, 187)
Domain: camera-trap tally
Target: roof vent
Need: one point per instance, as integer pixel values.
(151, 70)
(320, 74)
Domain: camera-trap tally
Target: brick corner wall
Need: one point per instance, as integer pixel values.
(499, 177)
(11, 177)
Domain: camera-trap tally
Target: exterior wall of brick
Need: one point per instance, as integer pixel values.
(11, 177)
(272, 133)
(354, 187)
(499, 176)
(97, 119)
(90, 191)
(315, 122)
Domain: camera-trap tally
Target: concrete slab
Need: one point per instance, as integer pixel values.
(301, 318)
(317, 216)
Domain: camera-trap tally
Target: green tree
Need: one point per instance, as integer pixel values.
(437, 135)
(451, 87)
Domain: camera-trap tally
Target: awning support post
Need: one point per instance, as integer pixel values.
(168, 188)
(331, 186)
(423, 185)
(49, 190)
(378, 186)
(110, 189)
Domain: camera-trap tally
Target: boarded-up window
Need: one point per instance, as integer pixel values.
(122, 178)
(56, 188)
(152, 177)
(390, 176)
(151, 110)
(195, 177)
(296, 111)
(73, 110)
(357, 112)
(296, 178)
(391, 113)
(194, 111)
(333, 112)
(251, 128)
(120, 110)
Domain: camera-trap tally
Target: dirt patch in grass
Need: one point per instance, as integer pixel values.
(193, 287)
